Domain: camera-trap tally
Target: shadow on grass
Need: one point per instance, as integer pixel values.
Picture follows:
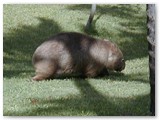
(132, 35)
(23, 41)
(135, 33)
(92, 30)
(26, 38)
(141, 77)
(90, 102)
(125, 11)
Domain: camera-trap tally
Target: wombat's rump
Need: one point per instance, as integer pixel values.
(75, 53)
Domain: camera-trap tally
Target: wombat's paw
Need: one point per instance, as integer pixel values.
(37, 78)
(103, 73)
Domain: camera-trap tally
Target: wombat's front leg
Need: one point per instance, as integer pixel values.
(103, 73)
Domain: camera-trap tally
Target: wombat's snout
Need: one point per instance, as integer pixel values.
(120, 66)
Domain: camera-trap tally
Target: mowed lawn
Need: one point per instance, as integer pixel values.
(26, 26)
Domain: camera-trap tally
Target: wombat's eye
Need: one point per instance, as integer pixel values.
(122, 60)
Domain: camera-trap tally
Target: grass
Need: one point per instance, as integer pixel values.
(27, 26)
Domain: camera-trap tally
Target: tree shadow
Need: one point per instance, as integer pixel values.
(139, 77)
(26, 38)
(92, 30)
(120, 10)
(89, 102)
(135, 33)
(132, 35)
(23, 41)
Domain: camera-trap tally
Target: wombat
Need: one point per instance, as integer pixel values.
(75, 53)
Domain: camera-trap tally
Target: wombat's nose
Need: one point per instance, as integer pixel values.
(120, 66)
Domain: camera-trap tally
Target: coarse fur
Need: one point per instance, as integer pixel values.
(75, 53)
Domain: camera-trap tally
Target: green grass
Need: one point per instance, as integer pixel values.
(27, 26)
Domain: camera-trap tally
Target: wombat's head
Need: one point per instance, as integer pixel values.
(115, 60)
(119, 65)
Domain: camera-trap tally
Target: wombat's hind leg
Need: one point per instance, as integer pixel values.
(44, 71)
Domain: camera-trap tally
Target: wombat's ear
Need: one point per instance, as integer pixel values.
(114, 46)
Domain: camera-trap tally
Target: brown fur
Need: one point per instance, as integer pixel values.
(75, 53)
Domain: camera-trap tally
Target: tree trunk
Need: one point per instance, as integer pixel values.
(89, 22)
(151, 49)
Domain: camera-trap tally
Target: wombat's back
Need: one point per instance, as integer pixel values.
(64, 46)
